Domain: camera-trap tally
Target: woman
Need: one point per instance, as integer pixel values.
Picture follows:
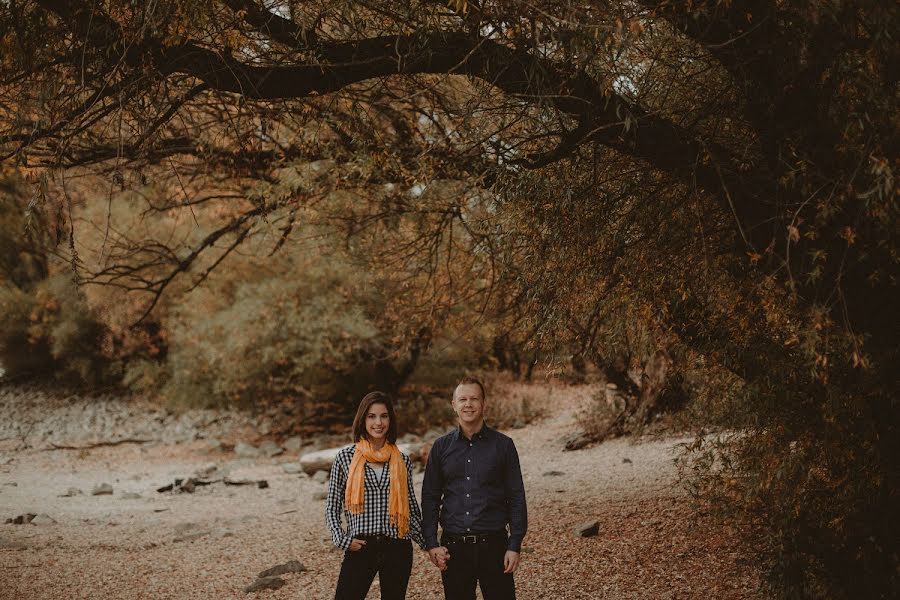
(371, 484)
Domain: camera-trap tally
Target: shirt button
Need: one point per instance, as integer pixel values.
(470, 460)
(467, 495)
(467, 477)
(467, 512)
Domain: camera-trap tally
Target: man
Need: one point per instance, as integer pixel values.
(473, 487)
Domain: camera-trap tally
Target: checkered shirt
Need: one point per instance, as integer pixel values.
(374, 518)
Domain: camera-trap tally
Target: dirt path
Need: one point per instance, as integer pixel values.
(212, 543)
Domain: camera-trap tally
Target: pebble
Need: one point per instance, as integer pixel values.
(588, 529)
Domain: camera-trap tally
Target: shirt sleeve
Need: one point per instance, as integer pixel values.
(415, 515)
(432, 492)
(334, 504)
(515, 494)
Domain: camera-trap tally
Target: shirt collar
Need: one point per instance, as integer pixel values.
(482, 433)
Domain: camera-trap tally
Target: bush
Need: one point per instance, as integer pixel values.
(299, 332)
(811, 472)
(50, 330)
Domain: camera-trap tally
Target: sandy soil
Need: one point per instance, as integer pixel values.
(212, 543)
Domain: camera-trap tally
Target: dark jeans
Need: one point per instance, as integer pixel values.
(480, 563)
(391, 559)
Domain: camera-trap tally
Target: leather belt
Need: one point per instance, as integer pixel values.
(474, 538)
(378, 537)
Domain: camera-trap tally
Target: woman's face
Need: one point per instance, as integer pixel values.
(377, 422)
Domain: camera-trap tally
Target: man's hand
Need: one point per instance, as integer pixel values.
(510, 561)
(439, 556)
(356, 545)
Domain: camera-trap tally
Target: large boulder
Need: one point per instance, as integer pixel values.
(322, 460)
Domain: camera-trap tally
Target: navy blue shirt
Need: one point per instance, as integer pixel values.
(474, 486)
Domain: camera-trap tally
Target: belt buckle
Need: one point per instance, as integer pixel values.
(474, 539)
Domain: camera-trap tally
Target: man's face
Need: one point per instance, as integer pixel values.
(468, 404)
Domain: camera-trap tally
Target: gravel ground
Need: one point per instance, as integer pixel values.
(212, 543)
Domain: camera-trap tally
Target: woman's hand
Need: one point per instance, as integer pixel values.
(439, 557)
(356, 545)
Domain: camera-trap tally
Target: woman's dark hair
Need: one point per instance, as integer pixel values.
(359, 422)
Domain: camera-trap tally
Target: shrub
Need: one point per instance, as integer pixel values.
(51, 331)
(298, 332)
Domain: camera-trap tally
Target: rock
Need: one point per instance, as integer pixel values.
(576, 441)
(293, 444)
(412, 449)
(42, 519)
(320, 476)
(261, 484)
(292, 468)
(518, 424)
(130, 496)
(554, 474)
(245, 450)
(270, 448)
(213, 445)
(207, 471)
(626, 461)
(409, 438)
(22, 519)
(320, 495)
(292, 566)
(103, 489)
(187, 537)
(318, 461)
(588, 529)
(185, 532)
(265, 583)
(432, 434)
(322, 460)
(71, 492)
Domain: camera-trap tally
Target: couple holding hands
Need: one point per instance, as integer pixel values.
(473, 488)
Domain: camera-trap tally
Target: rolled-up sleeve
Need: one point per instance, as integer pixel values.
(432, 491)
(515, 494)
(334, 505)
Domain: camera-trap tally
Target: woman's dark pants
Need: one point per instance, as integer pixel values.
(391, 559)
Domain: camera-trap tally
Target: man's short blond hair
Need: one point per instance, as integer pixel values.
(471, 380)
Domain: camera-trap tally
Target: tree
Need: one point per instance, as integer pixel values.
(724, 167)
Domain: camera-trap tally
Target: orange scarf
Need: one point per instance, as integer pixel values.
(398, 501)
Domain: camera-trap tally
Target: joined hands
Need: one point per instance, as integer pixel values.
(439, 556)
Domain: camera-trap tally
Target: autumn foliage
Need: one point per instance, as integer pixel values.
(286, 200)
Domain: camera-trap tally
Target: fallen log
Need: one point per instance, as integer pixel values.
(55, 446)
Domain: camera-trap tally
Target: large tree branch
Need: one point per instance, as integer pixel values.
(610, 118)
(274, 27)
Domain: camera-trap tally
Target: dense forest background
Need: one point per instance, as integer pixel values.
(286, 203)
